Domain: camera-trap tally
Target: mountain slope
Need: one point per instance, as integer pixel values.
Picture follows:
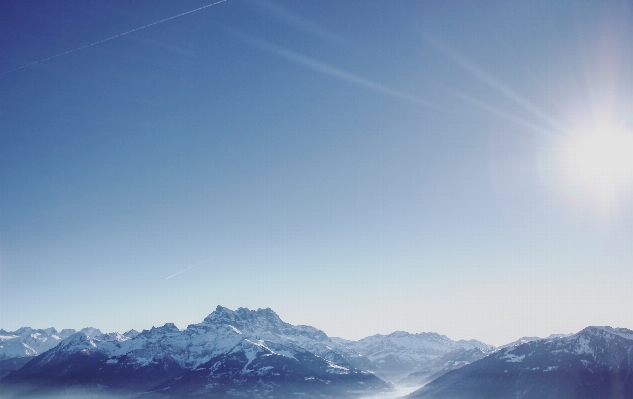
(27, 341)
(249, 352)
(434, 368)
(14, 363)
(597, 362)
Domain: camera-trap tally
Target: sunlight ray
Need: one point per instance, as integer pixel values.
(491, 81)
(501, 114)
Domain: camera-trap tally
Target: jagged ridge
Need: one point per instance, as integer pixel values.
(252, 352)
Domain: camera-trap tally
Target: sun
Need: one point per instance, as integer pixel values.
(597, 164)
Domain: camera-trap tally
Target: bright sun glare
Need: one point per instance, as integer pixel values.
(597, 164)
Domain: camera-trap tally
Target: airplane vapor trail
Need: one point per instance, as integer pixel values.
(182, 271)
(112, 37)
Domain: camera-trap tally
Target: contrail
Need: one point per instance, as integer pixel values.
(190, 267)
(113, 37)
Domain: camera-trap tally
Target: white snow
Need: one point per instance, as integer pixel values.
(408, 348)
(336, 369)
(582, 347)
(235, 329)
(512, 358)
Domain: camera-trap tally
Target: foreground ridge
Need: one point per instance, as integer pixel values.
(597, 362)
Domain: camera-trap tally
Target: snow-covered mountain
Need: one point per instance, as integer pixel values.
(251, 352)
(19, 346)
(434, 368)
(27, 341)
(254, 353)
(398, 354)
(265, 325)
(597, 362)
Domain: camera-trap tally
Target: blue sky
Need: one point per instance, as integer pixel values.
(362, 167)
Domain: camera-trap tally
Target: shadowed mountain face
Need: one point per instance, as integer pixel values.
(252, 353)
(437, 367)
(15, 363)
(595, 363)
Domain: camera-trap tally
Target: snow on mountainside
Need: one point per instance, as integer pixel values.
(265, 324)
(220, 331)
(400, 353)
(27, 341)
(436, 367)
(390, 356)
(524, 340)
(597, 362)
(253, 352)
(18, 347)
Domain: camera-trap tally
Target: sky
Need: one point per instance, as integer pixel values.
(361, 167)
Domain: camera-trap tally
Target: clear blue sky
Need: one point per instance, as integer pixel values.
(361, 167)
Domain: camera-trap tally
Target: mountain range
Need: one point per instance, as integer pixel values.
(17, 347)
(245, 351)
(400, 353)
(254, 354)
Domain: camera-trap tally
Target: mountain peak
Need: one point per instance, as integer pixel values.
(168, 328)
(398, 334)
(131, 333)
(606, 331)
(66, 332)
(24, 330)
(76, 342)
(223, 315)
(91, 332)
